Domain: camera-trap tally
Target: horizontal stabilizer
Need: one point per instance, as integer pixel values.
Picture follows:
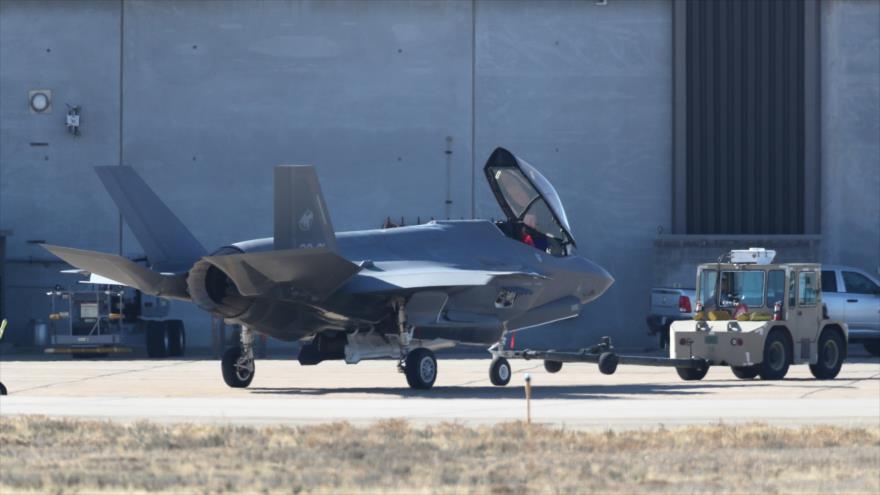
(124, 271)
(317, 272)
(168, 244)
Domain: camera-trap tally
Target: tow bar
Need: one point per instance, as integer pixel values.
(603, 354)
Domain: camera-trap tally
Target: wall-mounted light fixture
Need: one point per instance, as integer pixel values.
(40, 100)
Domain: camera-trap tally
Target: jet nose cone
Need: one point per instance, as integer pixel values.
(597, 281)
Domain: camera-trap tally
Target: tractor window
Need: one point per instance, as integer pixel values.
(807, 288)
(708, 279)
(745, 287)
(791, 290)
(775, 287)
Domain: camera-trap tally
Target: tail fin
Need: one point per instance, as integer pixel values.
(301, 216)
(168, 244)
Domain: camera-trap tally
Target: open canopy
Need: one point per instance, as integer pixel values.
(527, 196)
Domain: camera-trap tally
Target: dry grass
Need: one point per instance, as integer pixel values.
(72, 456)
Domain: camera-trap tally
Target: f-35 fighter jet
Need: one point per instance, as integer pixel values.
(391, 293)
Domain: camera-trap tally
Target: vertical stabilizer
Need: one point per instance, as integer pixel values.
(168, 244)
(301, 216)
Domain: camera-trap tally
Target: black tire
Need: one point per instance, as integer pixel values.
(832, 352)
(872, 346)
(2, 389)
(692, 374)
(233, 375)
(608, 363)
(746, 372)
(176, 338)
(499, 372)
(420, 368)
(157, 339)
(552, 366)
(777, 356)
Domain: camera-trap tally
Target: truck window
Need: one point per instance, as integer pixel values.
(807, 289)
(856, 283)
(775, 287)
(829, 281)
(742, 287)
(791, 290)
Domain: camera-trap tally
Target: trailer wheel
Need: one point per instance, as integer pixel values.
(499, 372)
(777, 357)
(176, 338)
(158, 342)
(745, 372)
(421, 368)
(608, 363)
(832, 352)
(552, 366)
(692, 374)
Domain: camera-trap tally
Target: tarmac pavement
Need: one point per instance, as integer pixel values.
(578, 396)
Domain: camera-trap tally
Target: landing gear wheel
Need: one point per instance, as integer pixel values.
(499, 372)
(552, 366)
(832, 352)
(745, 372)
(176, 338)
(420, 368)
(158, 341)
(777, 357)
(238, 371)
(692, 374)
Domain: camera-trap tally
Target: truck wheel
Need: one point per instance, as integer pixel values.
(499, 372)
(692, 374)
(745, 372)
(552, 366)
(777, 357)
(832, 352)
(421, 368)
(873, 347)
(158, 342)
(176, 338)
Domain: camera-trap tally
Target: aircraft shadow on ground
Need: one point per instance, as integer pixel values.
(574, 392)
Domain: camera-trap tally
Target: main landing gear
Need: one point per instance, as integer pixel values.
(238, 362)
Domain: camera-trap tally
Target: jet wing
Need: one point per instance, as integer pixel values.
(387, 279)
(123, 271)
(316, 271)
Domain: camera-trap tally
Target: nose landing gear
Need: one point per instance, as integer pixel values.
(238, 362)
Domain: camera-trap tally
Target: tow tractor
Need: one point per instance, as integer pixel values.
(753, 315)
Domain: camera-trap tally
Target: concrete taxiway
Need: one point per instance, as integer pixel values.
(578, 396)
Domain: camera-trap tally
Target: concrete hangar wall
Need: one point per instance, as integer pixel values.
(204, 98)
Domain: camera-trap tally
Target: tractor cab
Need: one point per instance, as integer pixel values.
(534, 212)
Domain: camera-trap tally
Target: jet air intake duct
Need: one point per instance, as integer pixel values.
(212, 290)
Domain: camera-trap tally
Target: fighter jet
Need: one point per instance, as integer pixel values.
(398, 293)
